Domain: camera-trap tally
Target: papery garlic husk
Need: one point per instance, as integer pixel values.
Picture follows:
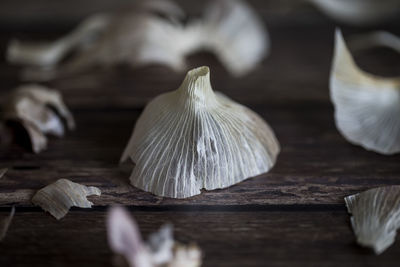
(193, 138)
(375, 216)
(366, 106)
(374, 39)
(359, 12)
(136, 36)
(58, 197)
(40, 111)
(160, 250)
(2, 172)
(5, 224)
(236, 34)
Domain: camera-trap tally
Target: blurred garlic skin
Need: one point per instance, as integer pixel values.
(32, 105)
(47, 55)
(138, 37)
(374, 39)
(366, 106)
(58, 197)
(5, 224)
(161, 250)
(375, 216)
(193, 138)
(236, 34)
(358, 12)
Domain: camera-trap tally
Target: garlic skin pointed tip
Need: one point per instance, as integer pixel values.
(366, 106)
(193, 138)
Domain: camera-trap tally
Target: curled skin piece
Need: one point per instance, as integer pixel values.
(160, 251)
(358, 12)
(151, 33)
(366, 106)
(374, 39)
(40, 111)
(57, 198)
(193, 138)
(375, 216)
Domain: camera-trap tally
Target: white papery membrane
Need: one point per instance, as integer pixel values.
(150, 33)
(194, 138)
(367, 107)
(375, 216)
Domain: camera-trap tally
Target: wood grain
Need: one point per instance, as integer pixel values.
(228, 238)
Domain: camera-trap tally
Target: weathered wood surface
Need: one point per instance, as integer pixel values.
(241, 238)
(292, 216)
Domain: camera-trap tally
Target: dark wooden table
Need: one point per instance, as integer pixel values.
(291, 216)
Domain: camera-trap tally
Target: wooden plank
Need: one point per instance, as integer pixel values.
(316, 165)
(227, 238)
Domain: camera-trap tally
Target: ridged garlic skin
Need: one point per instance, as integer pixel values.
(375, 216)
(193, 138)
(367, 107)
(58, 197)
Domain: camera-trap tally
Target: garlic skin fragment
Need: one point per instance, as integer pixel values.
(375, 216)
(358, 12)
(161, 250)
(193, 138)
(366, 106)
(236, 34)
(2, 172)
(58, 197)
(31, 105)
(229, 28)
(5, 224)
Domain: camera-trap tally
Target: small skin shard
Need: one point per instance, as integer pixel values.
(2, 172)
(161, 250)
(5, 224)
(40, 111)
(57, 198)
(375, 216)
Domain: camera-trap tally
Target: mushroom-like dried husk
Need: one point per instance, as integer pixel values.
(375, 216)
(58, 197)
(359, 12)
(367, 107)
(193, 138)
(40, 111)
(5, 224)
(159, 251)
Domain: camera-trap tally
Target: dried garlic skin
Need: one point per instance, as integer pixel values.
(359, 12)
(58, 197)
(193, 138)
(236, 34)
(40, 111)
(367, 107)
(229, 28)
(375, 216)
(160, 250)
(5, 224)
